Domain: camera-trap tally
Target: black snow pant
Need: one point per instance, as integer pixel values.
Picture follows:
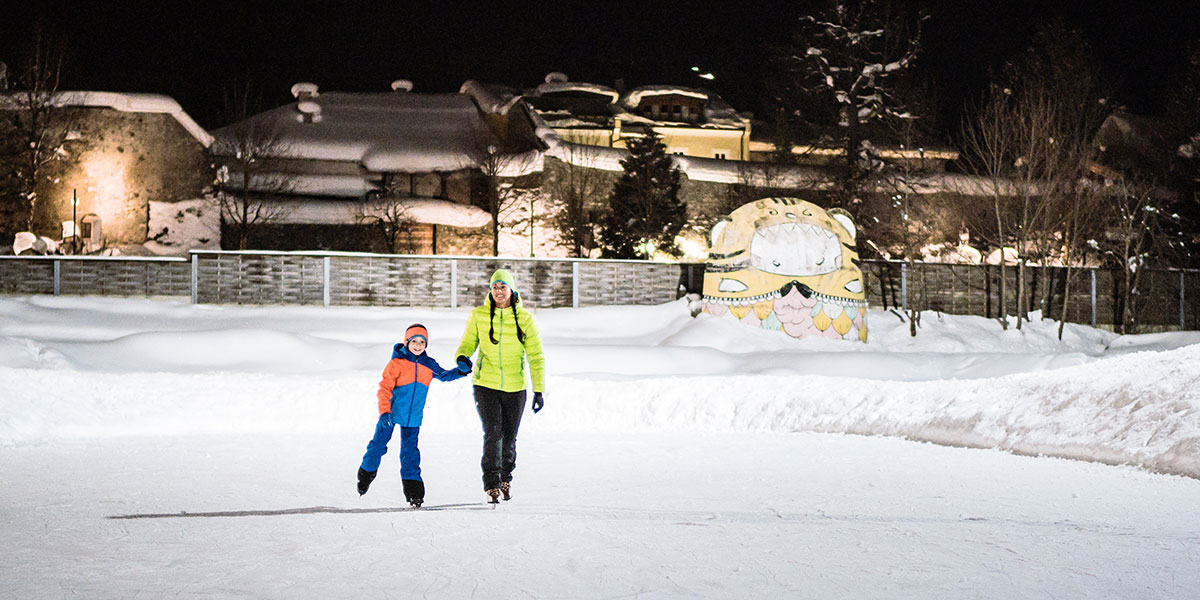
(500, 414)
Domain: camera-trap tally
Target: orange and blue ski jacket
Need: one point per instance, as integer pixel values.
(405, 384)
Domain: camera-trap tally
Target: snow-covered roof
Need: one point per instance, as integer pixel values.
(559, 87)
(491, 98)
(634, 97)
(343, 212)
(125, 102)
(396, 132)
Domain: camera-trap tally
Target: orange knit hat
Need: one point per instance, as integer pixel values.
(415, 330)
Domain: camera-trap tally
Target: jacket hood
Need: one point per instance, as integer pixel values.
(401, 351)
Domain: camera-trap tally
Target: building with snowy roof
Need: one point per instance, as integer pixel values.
(690, 121)
(347, 170)
(116, 157)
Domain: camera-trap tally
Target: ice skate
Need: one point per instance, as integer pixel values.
(364, 480)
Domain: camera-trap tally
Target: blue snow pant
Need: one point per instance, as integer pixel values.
(410, 455)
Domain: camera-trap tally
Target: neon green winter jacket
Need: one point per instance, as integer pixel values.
(501, 366)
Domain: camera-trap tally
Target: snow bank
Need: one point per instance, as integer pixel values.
(87, 367)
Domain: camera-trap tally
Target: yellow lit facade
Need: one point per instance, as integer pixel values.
(691, 122)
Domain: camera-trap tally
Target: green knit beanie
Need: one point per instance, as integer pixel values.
(504, 277)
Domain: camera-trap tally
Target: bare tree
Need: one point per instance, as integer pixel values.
(499, 196)
(1031, 141)
(253, 172)
(1140, 235)
(387, 212)
(32, 133)
(578, 188)
(898, 182)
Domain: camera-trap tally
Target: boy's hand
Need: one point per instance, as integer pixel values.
(464, 364)
(538, 401)
(386, 419)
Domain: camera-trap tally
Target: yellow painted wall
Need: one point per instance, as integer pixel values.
(689, 141)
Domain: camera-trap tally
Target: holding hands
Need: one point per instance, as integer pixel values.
(464, 365)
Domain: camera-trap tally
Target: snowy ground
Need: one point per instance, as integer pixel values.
(159, 449)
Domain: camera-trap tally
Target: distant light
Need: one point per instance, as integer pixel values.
(708, 76)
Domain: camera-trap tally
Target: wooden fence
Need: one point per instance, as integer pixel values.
(1166, 299)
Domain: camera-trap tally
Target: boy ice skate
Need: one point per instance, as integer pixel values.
(401, 397)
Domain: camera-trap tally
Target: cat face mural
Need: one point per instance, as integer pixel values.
(788, 265)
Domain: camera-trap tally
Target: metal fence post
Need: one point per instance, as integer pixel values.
(1182, 312)
(195, 277)
(575, 284)
(904, 287)
(57, 277)
(325, 283)
(454, 283)
(1093, 272)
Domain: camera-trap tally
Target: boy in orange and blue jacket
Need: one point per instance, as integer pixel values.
(401, 397)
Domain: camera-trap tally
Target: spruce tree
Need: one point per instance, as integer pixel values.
(644, 204)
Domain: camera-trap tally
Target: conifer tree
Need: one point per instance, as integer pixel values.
(644, 205)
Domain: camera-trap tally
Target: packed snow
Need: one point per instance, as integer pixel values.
(153, 447)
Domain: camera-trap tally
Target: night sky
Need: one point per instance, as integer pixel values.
(193, 51)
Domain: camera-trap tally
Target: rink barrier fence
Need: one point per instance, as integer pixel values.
(1167, 299)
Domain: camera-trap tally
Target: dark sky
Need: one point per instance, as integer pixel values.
(192, 51)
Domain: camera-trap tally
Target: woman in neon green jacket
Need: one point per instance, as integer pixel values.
(506, 336)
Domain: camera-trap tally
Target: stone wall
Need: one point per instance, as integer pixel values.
(117, 162)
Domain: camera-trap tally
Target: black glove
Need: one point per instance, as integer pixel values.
(464, 364)
(538, 402)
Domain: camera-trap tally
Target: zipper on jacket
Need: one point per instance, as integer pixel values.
(500, 349)
(412, 397)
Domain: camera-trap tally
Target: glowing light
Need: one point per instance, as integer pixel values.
(105, 184)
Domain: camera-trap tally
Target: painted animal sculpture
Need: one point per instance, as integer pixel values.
(786, 264)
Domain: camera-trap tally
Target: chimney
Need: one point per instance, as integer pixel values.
(304, 91)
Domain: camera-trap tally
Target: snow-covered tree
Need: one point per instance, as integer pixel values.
(841, 73)
(645, 212)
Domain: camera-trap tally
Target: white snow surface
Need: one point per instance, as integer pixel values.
(157, 448)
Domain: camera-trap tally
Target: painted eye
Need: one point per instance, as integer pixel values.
(854, 287)
(732, 285)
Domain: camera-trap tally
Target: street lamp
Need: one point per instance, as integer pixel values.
(74, 222)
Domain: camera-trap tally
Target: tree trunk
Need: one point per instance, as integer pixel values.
(1021, 312)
